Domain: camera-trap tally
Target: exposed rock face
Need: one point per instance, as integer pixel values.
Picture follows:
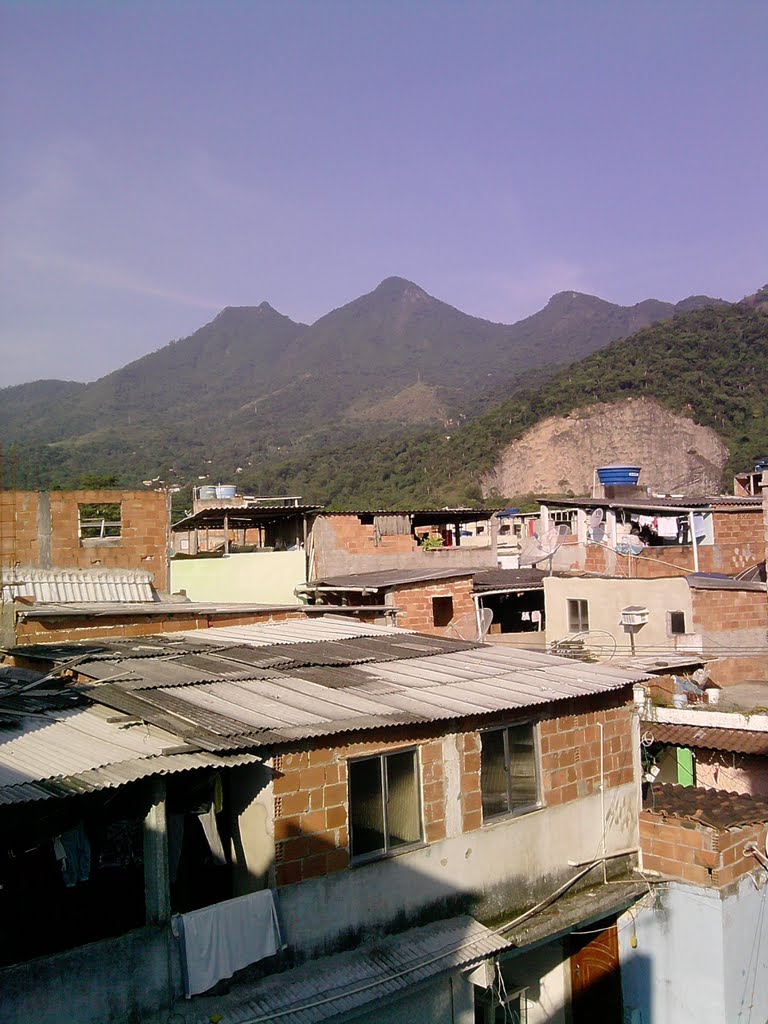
(561, 453)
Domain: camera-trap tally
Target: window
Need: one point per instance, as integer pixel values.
(99, 522)
(578, 616)
(675, 623)
(384, 804)
(508, 772)
(504, 529)
(442, 610)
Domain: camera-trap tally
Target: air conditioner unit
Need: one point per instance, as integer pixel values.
(634, 615)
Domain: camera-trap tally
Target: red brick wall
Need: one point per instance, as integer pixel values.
(310, 787)
(684, 850)
(142, 545)
(414, 603)
(360, 539)
(716, 611)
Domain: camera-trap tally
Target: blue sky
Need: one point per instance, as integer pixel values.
(161, 161)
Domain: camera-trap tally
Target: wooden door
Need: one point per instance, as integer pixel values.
(596, 976)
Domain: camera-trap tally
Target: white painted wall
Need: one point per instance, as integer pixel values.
(607, 597)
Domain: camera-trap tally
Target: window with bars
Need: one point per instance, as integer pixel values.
(509, 777)
(578, 615)
(384, 803)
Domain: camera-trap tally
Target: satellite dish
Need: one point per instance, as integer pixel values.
(634, 544)
(596, 528)
(543, 548)
(466, 626)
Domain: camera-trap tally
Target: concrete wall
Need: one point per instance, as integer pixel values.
(546, 974)
(701, 956)
(343, 544)
(607, 597)
(676, 973)
(40, 530)
(267, 577)
(107, 982)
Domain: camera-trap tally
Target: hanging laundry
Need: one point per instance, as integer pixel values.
(73, 852)
(667, 527)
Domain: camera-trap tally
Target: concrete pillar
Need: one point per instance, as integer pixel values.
(44, 531)
(157, 893)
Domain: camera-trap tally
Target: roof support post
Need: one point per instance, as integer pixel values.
(694, 542)
(226, 534)
(157, 892)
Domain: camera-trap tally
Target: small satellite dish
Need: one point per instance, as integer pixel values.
(596, 528)
(634, 544)
(466, 626)
(543, 548)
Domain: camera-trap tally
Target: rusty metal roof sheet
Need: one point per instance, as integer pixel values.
(715, 808)
(740, 741)
(365, 977)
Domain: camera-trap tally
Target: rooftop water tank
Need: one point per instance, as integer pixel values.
(226, 491)
(206, 492)
(761, 465)
(618, 475)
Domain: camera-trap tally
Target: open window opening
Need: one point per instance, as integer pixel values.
(442, 611)
(101, 521)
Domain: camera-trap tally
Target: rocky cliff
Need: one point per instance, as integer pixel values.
(560, 453)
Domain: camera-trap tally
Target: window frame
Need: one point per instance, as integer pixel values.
(514, 812)
(388, 851)
(569, 602)
(676, 632)
(99, 523)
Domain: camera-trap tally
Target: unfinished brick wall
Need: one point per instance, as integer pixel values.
(415, 608)
(730, 621)
(344, 544)
(690, 852)
(40, 530)
(310, 787)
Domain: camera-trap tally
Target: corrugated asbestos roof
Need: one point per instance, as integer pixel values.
(739, 741)
(388, 578)
(704, 581)
(212, 517)
(59, 753)
(293, 631)
(715, 808)
(418, 686)
(66, 586)
(331, 986)
(511, 579)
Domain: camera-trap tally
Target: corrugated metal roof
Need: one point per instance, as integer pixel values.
(331, 986)
(292, 631)
(740, 741)
(73, 585)
(723, 503)
(59, 753)
(474, 681)
(114, 775)
(212, 516)
(388, 578)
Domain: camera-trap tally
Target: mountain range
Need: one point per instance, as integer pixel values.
(252, 386)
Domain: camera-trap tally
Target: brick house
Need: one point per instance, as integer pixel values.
(428, 600)
(695, 949)
(408, 788)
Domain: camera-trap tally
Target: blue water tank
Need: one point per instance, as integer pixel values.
(618, 475)
(761, 465)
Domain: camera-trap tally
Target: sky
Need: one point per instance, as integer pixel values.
(159, 161)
